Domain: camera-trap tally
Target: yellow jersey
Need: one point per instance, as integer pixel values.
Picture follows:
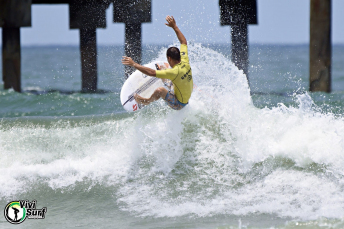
(180, 75)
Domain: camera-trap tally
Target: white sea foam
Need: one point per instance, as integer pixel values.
(219, 155)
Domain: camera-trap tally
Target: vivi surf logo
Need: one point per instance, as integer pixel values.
(17, 211)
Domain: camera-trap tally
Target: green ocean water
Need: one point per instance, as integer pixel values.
(267, 154)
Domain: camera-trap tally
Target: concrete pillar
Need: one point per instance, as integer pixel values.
(240, 46)
(11, 57)
(238, 14)
(13, 15)
(87, 16)
(132, 13)
(320, 46)
(132, 45)
(88, 51)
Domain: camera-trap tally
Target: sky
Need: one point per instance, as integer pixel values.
(279, 22)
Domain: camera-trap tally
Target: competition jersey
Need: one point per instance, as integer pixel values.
(180, 75)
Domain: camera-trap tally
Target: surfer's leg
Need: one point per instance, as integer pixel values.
(160, 92)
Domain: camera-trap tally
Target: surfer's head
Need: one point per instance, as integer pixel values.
(173, 55)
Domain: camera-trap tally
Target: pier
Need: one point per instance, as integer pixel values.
(88, 15)
(85, 15)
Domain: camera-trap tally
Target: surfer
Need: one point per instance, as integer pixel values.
(180, 74)
(15, 213)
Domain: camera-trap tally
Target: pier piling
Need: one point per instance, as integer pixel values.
(133, 13)
(238, 14)
(11, 58)
(88, 54)
(240, 46)
(87, 16)
(132, 46)
(13, 15)
(320, 46)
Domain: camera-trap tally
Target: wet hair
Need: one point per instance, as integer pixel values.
(174, 53)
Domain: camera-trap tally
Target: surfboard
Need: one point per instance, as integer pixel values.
(141, 84)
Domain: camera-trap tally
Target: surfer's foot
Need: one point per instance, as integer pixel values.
(141, 100)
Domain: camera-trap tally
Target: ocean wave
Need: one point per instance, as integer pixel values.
(219, 155)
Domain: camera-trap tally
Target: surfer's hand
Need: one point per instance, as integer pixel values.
(170, 22)
(127, 61)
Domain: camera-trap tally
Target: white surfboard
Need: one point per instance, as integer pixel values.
(141, 84)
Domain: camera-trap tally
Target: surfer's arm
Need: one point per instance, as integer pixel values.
(172, 23)
(145, 70)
